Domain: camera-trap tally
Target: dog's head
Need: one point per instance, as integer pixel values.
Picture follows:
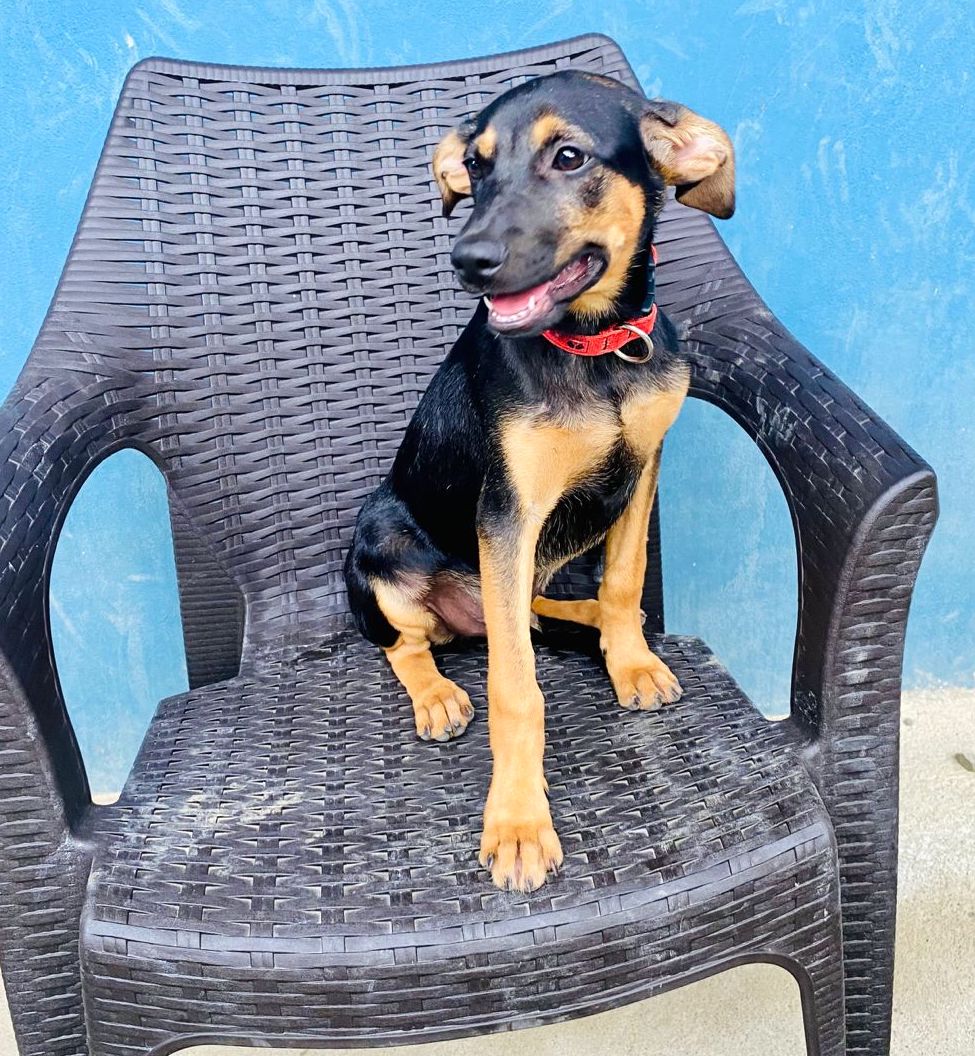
(567, 175)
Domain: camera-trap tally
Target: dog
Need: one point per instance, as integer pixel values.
(534, 441)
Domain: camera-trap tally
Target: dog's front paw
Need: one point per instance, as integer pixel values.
(442, 712)
(519, 844)
(643, 683)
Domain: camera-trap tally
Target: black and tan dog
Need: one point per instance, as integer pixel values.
(522, 454)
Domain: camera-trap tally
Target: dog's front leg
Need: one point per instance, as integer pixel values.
(540, 461)
(519, 844)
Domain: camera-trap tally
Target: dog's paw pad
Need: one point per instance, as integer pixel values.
(443, 712)
(520, 856)
(647, 687)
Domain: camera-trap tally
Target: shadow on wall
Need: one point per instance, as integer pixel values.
(115, 613)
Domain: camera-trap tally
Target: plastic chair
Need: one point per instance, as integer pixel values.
(257, 295)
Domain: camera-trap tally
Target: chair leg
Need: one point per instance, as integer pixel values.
(821, 992)
(868, 952)
(41, 973)
(813, 954)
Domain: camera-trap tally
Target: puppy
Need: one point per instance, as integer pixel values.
(540, 435)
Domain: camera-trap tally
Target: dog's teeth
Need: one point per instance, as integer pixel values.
(512, 317)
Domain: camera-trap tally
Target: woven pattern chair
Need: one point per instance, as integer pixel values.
(258, 293)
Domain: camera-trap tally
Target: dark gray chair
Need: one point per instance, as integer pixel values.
(258, 293)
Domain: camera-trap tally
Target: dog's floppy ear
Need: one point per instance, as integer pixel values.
(448, 167)
(691, 153)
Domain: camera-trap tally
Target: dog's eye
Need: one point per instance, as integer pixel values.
(568, 159)
(473, 167)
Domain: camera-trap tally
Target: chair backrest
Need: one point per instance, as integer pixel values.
(261, 280)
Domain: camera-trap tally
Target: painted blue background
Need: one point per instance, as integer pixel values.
(853, 125)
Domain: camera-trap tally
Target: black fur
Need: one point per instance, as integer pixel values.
(448, 479)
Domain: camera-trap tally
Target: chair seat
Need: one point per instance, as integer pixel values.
(289, 861)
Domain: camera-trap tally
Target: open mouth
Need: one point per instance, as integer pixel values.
(539, 307)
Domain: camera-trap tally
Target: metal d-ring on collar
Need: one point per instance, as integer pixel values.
(647, 340)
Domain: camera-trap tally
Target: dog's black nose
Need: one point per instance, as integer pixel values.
(477, 260)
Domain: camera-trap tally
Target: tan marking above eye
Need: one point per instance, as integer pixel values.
(550, 127)
(486, 144)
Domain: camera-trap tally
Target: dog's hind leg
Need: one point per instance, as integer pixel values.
(641, 679)
(585, 612)
(441, 708)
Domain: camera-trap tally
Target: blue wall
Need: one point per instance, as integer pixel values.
(853, 124)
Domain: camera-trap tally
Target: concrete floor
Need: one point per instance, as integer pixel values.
(755, 1010)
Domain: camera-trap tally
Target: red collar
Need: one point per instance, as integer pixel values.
(613, 338)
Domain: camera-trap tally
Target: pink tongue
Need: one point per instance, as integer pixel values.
(512, 303)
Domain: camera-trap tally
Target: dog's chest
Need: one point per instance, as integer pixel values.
(645, 417)
(579, 470)
(558, 448)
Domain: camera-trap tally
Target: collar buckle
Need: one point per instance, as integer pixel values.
(647, 341)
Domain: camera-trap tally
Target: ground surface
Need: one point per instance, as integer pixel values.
(755, 1010)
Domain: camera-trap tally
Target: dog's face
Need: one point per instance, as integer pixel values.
(567, 174)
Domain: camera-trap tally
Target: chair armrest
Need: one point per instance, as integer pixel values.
(54, 428)
(863, 505)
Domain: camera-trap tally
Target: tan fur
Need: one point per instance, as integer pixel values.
(641, 679)
(543, 459)
(615, 224)
(696, 156)
(486, 143)
(440, 707)
(550, 127)
(648, 414)
(449, 170)
(585, 612)
(518, 841)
